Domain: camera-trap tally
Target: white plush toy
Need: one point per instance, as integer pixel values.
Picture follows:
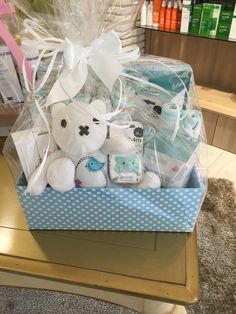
(82, 139)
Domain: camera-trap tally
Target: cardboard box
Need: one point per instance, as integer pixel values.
(128, 209)
(120, 209)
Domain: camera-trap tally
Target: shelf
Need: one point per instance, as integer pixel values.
(217, 101)
(219, 114)
(182, 34)
(8, 115)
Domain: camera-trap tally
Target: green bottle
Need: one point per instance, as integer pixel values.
(196, 19)
(225, 21)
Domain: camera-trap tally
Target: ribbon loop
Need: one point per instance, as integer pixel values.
(102, 56)
(105, 56)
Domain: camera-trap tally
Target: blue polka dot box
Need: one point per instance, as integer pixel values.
(120, 209)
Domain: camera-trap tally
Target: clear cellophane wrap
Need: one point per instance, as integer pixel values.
(98, 115)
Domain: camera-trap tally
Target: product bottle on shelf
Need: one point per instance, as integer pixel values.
(156, 12)
(225, 20)
(144, 14)
(162, 15)
(168, 15)
(174, 17)
(186, 16)
(232, 34)
(150, 14)
(10, 89)
(215, 20)
(179, 15)
(192, 4)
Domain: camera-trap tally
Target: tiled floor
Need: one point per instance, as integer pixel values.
(222, 164)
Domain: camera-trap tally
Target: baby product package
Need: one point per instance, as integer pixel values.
(107, 139)
(10, 56)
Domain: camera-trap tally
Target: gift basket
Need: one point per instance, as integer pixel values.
(107, 139)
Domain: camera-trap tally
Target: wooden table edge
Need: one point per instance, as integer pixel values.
(144, 288)
(222, 114)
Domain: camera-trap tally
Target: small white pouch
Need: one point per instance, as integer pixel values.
(30, 145)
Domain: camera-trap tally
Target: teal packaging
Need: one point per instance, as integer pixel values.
(166, 74)
(122, 209)
(176, 159)
(130, 94)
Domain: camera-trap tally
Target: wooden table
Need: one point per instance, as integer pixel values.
(127, 268)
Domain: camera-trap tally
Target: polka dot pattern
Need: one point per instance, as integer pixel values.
(113, 209)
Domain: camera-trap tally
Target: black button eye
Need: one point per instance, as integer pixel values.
(138, 132)
(96, 121)
(157, 109)
(63, 123)
(149, 102)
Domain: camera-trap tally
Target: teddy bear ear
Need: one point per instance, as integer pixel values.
(97, 107)
(57, 108)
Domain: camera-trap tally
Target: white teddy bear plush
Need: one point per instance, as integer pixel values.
(83, 148)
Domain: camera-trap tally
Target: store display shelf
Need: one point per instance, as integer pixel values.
(216, 101)
(8, 114)
(219, 113)
(182, 34)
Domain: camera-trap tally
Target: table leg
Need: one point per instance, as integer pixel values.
(156, 307)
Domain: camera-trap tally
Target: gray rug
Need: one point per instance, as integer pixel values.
(217, 250)
(217, 258)
(27, 301)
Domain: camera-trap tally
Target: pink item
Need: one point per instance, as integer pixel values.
(10, 42)
(6, 8)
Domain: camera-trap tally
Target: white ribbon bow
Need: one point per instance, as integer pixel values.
(104, 56)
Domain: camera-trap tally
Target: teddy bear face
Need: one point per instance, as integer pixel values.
(76, 131)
